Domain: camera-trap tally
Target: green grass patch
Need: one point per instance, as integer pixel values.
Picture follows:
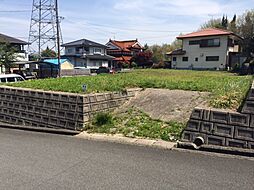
(227, 89)
(135, 123)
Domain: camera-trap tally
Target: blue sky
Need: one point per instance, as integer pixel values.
(151, 21)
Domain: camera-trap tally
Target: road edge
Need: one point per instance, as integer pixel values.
(118, 138)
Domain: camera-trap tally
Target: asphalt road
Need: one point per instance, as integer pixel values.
(32, 160)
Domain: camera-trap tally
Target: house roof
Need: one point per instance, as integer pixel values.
(84, 42)
(126, 45)
(176, 52)
(123, 58)
(8, 39)
(100, 57)
(207, 32)
(55, 61)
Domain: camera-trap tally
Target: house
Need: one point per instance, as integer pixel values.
(86, 53)
(123, 51)
(206, 49)
(19, 45)
(65, 63)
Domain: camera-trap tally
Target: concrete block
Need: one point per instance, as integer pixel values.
(86, 99)
(56, 105)
(251, 145)
(60, 114)
(79, 126)
(215, 140)
(45, 119)
(47, 95)
(236, 143)
(19, 92)
(70, 115)
(197, 113)
(239, 119)
(252, 121)
(14, 98)
(193, 125)
(8, 97)
(53, 121)
(187, 136)
(86, 108)
(53, 112)
(251, 95)
(70, 125)
(100, 97)
(10, 105)
(109, 96)
(248, 107)
(223, 130)
(92, 98)
(219, 116)
(49, 104)
(95, 107)
(244, 133)
(37, 110)
(72, 98)
(40, 103)
(44, 111)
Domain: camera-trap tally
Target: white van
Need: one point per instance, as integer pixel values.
(6, 78)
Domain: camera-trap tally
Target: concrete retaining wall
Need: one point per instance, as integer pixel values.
(56, 110)
(223, 128)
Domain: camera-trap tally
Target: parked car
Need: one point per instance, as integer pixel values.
(103, 70)
(27, 75)
(7, 78)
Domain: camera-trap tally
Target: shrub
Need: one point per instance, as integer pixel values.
(103, 118)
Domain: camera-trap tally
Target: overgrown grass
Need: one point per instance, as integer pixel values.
(134, 123)
(228, 90)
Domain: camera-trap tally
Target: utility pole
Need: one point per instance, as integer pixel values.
(45, 31)
(58, 39)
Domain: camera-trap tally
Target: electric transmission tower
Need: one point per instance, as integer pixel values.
(45, 29)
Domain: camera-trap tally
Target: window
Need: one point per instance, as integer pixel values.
(194, 42)
(69, 50)
(174, 58)
(19, 79)
(2, 80)
(185, 58)
(210, 42)
(11, 79)
(196, 59)
(212, 58)
(98, 50)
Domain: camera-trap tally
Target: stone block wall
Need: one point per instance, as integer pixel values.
(223, 128)
(56, 110)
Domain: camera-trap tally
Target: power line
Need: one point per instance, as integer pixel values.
(15, 11)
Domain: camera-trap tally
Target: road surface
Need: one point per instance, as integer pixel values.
(32, 160)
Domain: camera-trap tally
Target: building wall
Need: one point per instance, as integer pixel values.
(194, 51)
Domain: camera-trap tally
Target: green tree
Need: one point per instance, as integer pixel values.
(232, 25)
(7, 56)
(245, 27)
(212, 23)
(48, 53)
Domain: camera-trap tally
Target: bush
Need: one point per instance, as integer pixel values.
(103, 119)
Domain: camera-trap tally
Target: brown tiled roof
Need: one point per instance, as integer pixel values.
(124, 45)
(207, 32)
(123, 58)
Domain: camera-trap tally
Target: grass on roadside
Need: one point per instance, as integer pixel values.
(135, 123)
(228, 90)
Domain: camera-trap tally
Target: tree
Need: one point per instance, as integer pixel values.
(7, 56)
(224, 22)
(48, 53)
(213, 23)
(177, 44)
(245, 27)
(232, 25)
(143, 59)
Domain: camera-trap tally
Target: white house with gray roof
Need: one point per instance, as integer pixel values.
(86, 53)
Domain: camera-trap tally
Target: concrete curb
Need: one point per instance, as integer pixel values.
(39, 129)
(217, 149)
(126, 140)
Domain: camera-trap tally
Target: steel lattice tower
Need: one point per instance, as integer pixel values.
(43, 27)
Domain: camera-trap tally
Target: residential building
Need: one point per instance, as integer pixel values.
(206, 49)
(86, 53)
(123, 51)
(65, 63)
(19, 45)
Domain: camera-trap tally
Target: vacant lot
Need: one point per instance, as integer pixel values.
(228, 90)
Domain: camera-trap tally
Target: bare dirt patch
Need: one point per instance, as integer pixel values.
(168, 105)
